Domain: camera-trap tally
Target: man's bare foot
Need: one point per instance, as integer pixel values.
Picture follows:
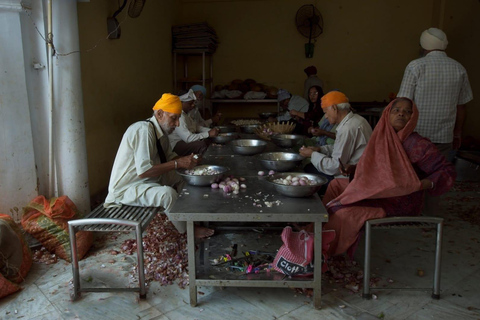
(202, 232)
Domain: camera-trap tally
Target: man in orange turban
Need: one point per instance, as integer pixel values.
(143, 173)
(353, 133)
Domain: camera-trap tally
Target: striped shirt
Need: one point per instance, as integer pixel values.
(437, 84)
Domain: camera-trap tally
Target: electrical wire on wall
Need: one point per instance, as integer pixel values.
(49, 39)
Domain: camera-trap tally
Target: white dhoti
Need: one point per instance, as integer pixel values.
(152, 194)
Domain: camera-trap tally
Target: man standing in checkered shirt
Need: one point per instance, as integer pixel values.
(440, 88)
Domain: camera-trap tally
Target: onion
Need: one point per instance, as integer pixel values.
(243, 186)
(214, 185)
(271, 172)
(261, 173)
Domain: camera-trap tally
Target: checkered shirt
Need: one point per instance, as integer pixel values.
(437, 84)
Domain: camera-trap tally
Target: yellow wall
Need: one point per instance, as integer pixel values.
(462, 26)
(363, 51)
(123, 78)
(358, 52)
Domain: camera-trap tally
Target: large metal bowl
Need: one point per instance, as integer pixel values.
(203, 180)
(225, 129)
(248, 146)
(249, 128)
(287, 140)
(280, 161)
(297, 191)
(266, 115)
(223, 138)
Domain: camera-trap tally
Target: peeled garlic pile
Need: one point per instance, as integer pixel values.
(202, 172)
(295, 181)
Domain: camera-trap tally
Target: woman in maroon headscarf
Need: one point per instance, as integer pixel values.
(390, 178)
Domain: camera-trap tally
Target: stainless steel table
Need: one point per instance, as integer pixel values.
(202, 204)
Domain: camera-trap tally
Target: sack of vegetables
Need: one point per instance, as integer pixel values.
(47, 221)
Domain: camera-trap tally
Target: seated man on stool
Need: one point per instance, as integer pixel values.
(189, 137)
(143, 173)
(353, 133)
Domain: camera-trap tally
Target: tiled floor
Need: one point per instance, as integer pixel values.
(397, 256)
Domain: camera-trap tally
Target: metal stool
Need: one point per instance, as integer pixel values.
(125, 218)
(403, 223)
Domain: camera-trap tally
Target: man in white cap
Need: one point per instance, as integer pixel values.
(200, 93)
(440, 88)
(289, 102)
(189, 137)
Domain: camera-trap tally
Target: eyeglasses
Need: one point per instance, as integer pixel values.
(314, 93)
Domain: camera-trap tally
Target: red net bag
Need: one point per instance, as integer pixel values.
(13, 273)
(47, 221)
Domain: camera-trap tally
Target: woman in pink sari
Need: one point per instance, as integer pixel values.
(390, 179)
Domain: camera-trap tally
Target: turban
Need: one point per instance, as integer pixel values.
(310, 70)
(169, 103)
(198, 87)
(333, 97)
(189, 96)
(433, 39)
(282, 94)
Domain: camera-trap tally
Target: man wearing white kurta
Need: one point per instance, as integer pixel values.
(143, 173)
(288, 102)
(189, 137)
(353, 133)
(201, 104)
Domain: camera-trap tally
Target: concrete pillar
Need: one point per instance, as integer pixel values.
(18, 179)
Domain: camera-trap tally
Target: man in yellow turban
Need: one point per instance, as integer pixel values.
(143, 173)
(353, 133)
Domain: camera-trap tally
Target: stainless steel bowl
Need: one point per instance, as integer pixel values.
(248, 146)
(203, 180)
(287, 140)
(280, 161)
(249, 128)
(225, 129)
(266, 115)
(223, 138)
(297, 191)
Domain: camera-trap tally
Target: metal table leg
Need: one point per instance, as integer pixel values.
(192, 274)
(317, 271)
(76, 273)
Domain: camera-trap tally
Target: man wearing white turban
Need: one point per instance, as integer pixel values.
(440, 88)
(189, 137)
(200, 104)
